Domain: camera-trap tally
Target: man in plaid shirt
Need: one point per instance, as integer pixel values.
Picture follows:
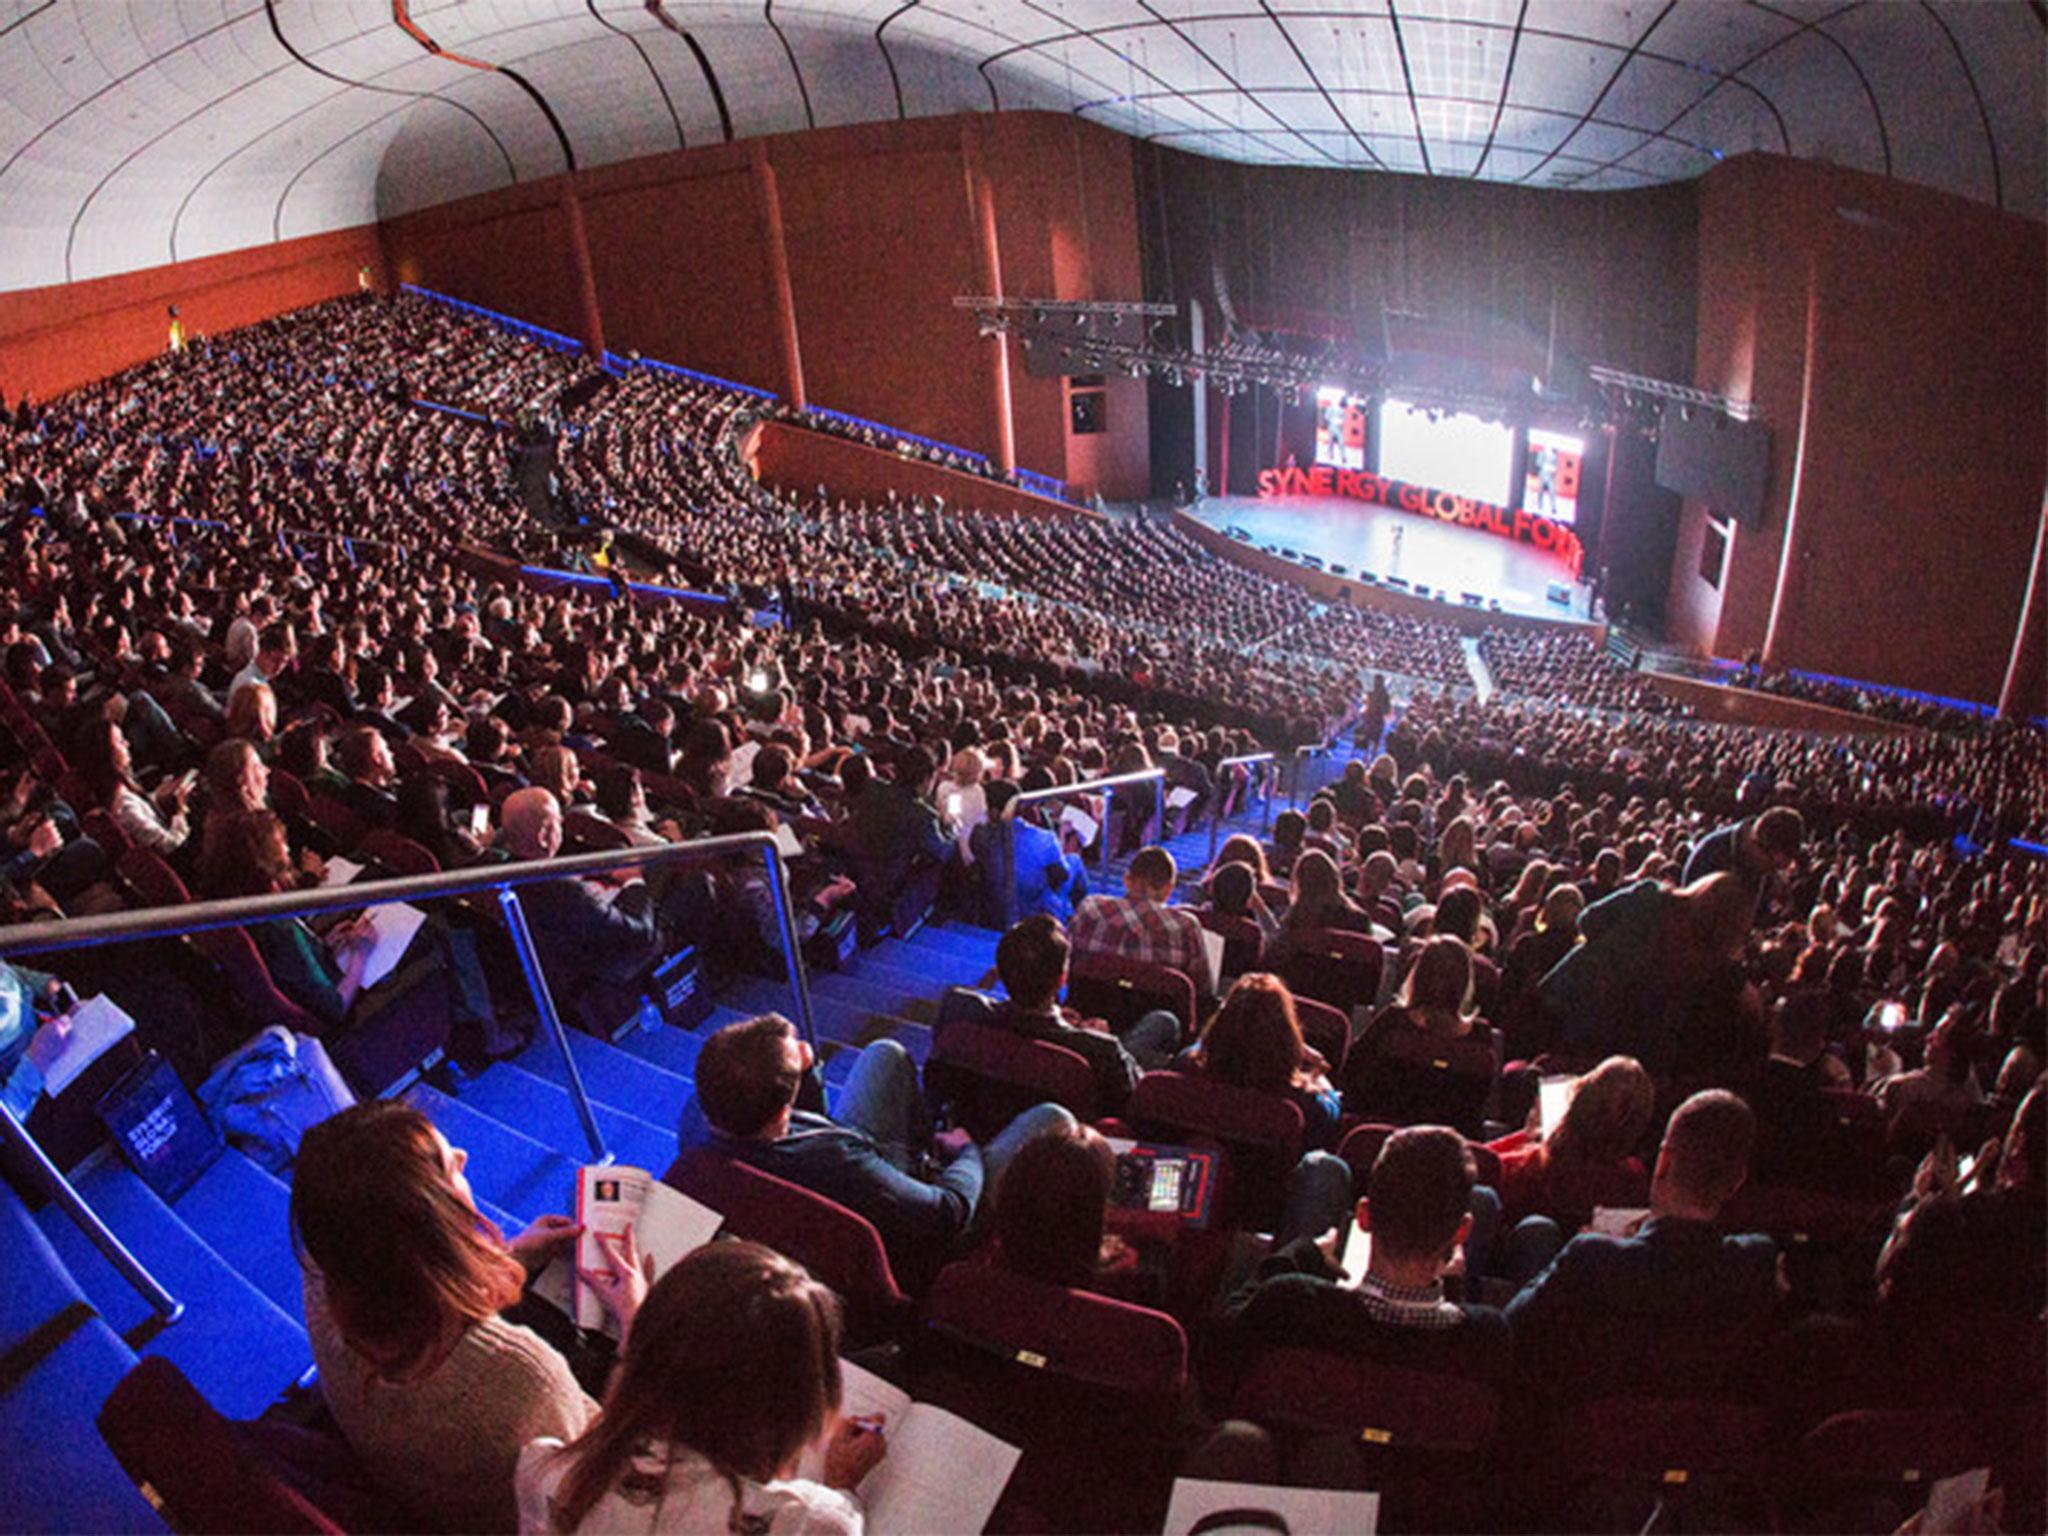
(1140, 926)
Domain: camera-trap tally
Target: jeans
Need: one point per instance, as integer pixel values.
(882, 1098)
(1154, 1040)
(1318, 1198)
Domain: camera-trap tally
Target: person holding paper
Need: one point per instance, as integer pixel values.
(748, 1078)
(1590, 1150)
(407, 1288)
(1417, 1214)
(731, 1372)
(32, 1034)
(323, 974)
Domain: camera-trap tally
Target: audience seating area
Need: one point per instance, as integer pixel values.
(268, 620)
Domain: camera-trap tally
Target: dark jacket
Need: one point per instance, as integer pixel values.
(583, 938)
(917, 1221)
(1293, 1301)
(1674, 1311)
(1116, 1073)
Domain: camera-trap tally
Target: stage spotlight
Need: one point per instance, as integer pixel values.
(1038, 317)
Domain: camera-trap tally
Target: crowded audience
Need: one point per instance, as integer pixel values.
(1617, 1054)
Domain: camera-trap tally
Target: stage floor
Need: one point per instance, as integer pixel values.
(1417, 549)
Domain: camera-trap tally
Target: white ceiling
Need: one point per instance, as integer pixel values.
(135, 132)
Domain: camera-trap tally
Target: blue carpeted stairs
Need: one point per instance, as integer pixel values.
(225, 1247)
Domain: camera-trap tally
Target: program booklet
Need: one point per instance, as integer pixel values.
(665, 1222)
(941, 1473)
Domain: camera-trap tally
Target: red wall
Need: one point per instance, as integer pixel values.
(57, 338)
(878, 228)
(1918, 486)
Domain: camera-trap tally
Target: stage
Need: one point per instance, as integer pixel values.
(1419, 550)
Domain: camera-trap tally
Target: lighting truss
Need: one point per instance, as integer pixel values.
(1642, 387)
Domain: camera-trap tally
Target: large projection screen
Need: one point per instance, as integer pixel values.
(1446, 451)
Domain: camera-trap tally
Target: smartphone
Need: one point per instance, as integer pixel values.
(1166, 1181)
(479, 820)
(1891, 1017)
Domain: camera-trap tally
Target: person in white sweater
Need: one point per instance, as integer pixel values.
(434, 1391)
(728, 1377)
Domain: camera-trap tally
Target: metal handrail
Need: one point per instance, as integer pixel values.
(1089, 787)
(200, 917)
(1265, 799)
(166, 1306)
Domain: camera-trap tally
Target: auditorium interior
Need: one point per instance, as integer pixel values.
(1026, 766)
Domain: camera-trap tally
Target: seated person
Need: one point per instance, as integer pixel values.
(586, 932)
(1047, 879)
(363, 754)
(1673, 1309)
(1798, 1138)
(888, 832)
(1032, 961)
(1592, 1147)
(406, 1287)
(730, 1373)
(1434, 1003)
(1140, 926)
(1417, 1211)
(1254, 1042)
(1233, 893)
(1318, 903)
(748, 1078)
(1051, 1215)
(323, 974)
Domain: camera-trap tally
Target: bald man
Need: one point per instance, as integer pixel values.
(583, 932)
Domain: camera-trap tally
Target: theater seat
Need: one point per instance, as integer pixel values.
(185, 1457)
(989, 1075)
(1260, 1135)
(1335, 967)
(1090, 1389)
(1311, 1389)
(835, 1244)
(1123, 991)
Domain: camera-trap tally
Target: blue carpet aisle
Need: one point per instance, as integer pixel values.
(224, 1248)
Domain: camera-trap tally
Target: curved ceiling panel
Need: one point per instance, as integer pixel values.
(134, 132)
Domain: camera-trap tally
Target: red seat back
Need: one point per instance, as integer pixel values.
(584, 833)
(1411, 1077)
(835, 1244)
(153, 882)
(1124, 991)
(254, 995)
(1890, 1446)
(1077, 1334)
(1325, 1028)
(1388, 1405)
(106, 831)
(991, 1074)
(1664, 1438)
(1243, 941)
(287, 794)
(1260, 1134)
(341, 824)
(1335, 967)
(173, 1443)
(398, 853)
